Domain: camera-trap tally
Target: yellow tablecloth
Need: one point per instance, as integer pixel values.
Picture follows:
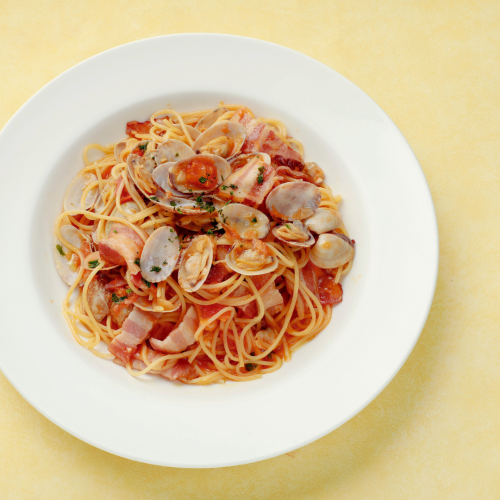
(434, 67)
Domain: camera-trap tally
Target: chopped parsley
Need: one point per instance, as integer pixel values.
(164, 263)
(117, 299)
(254, 219)
(261, 169)
(154, 198)
(60, 250)
(171, 230)
(173, 203)
(260, 178)
(137, 262)
(231, 193)
(155, 269)
(143, 146)
(214, 223)
(287, 226)
(223, 188)
(250, 366)
(233, 186)
(202, 180)
(210, 232)
(93, 264)
(146, 282)
(129, 290)
(270, 355)
(114, 231)
(176, 154)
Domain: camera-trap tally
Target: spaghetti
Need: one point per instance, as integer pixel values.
(201, 248)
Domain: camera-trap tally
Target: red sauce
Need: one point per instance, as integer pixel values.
(135, 127)
(213, 309)
(329, 291)
(201, 173)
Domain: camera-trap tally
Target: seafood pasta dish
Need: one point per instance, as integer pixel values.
(201, 248)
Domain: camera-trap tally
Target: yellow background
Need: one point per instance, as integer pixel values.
(434, 67)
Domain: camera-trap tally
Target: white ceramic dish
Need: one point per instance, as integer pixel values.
(387, 208)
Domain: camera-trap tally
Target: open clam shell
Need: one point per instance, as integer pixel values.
(160, 254)
(67, 262)
(248, 259)
(293, 200)
(74, 193)
(332, 250)
(323, 221)
(224, 139)
(198, 174)
(196, 263)
(172, 150)
(294, 234)
(210, 118)
(244, 222)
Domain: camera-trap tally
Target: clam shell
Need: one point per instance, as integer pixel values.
(119, 148)
(73, 236)
(172, 150)
(189, 261)
(206, 142)
(238, 219)
(277, 231)
(73, 196)
(231, 262)
(323, 221)
(176, 173)
(194, 134)
(160, 252)
(293, 200)
(332, 250)
(209, 119)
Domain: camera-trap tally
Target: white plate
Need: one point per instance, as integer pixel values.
(387, 295)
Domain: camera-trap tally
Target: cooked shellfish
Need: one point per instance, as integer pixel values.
(172, 150)
(332, 250)
(223, 139)
(323, 221)
(210, 118)
(198, 173)
(244, 222)
(293, 200)
(68, 262)
(252, 258)
(74, 193)
(294, 234)
(196, 263)
(160, 254)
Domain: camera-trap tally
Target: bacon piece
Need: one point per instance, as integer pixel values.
(99, 299)
(135, 330)
(120, 311)
(271, 297)
(211, 310)
(217, 274)
(329, 291)
(287, 162)
(115, 284)
(181, 337)
(247, 181)
(181, 369)
(262, 138)
(136, 127)
(122, 246)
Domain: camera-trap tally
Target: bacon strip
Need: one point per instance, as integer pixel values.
(182, 369)
(262, 138)
(246, 179)
(122, 246)
(180, 338)
(135, 127)
(135, 330)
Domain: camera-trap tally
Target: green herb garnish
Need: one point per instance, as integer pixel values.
(154, 198)
(254, 219)
(146, 282)
(143, 146)
(223, 188)
(137, 262)
(250, 366)
(117, 299)
(173, 203)
(287, 226)
(129, 290)
(60, 250)
(155, 269)
(202, 180)
(93, 264)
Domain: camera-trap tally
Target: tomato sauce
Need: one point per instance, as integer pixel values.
(201, 173)
(136, 127)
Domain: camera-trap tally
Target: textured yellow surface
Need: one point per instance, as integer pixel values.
(434, 432)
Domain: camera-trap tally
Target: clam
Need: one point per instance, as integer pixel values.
(244, 222)
(200, 222)
(74, 193)
(252, 258)
(160, 254)
(193, 133)
(293, 200)
(314, 172)
(265, 338)
(294, 234)
(119, 148)
(323, 221)
(196, 263)
(172, 150)
(129, 207)
(332, 250)
(104, 197)
(210, 118)
(241, 160)
(141, 173)
(67, 262)
(224, 139)
(198, 173)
